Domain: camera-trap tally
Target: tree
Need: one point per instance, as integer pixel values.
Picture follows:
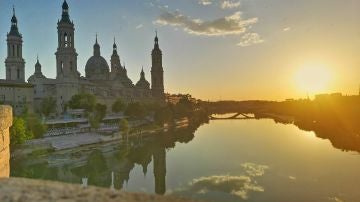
(163, 115)
(48, 106)
(97, 116)
(124, 126)
(184, 108)
(135, 110)
(83, 101)
(118, 106)
(18, 132)
(35, 126)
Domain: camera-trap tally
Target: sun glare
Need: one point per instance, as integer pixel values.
(313, 78)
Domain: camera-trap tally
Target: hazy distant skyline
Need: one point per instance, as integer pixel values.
(213, 49)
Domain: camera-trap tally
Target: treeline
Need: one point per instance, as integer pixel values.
(332, 117)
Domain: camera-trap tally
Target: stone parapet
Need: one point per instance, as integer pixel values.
(6, 119)
(27, 190)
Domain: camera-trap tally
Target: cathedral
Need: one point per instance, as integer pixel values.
(107, 83)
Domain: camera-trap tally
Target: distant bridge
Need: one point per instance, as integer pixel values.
(235, 116)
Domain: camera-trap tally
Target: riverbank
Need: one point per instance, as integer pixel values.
(19, 189)
(75, 140)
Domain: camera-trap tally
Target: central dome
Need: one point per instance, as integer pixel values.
(96, 67)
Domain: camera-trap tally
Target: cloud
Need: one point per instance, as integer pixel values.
(229, 25)
(292, 177)
(230, 4)
(249, 39)
(139, 26)
(205, 2)
(287, 29)
(254, 170)
(336, 199)
(235, 186)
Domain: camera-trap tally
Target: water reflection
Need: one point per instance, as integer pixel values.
(226, 187)
(97, 163)
(343, 134)
(213, 166)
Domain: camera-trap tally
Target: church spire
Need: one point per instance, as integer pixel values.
(14, 30)
(96, 47)
(38, 66)
(114, 47)
(65, 13)
(156, 40)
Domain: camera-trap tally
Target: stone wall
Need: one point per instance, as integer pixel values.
(5, 123)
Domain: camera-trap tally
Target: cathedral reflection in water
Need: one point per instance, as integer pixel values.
(96, 163)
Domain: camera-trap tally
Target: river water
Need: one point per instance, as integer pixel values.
(225, 160)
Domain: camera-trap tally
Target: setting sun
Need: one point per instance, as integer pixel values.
(313, 78)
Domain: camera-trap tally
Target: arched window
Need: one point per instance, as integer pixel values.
(62, 66)
(18, 73)
(18, 50)
(66, 39)
(13, 50)
(70, 41)
(71, 65)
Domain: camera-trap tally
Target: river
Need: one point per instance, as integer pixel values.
(225, 160)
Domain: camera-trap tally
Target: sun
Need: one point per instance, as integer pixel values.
(313, 78)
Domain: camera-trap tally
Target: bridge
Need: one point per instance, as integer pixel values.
(235, 116)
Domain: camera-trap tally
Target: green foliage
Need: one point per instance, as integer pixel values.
(163, 115)
(26, 127)
(48, 106)
(184, 108)
(83, 101)
(18, 132)
(118, 106)
(100, 111)
(94, 121)
(97, 116)
(35, 126)
(135, 110)
(124, 125)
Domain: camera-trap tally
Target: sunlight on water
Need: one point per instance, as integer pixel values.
(227, 160)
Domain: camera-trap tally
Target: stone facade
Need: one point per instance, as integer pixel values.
(5, 123)
(14, 90)
(107, 83)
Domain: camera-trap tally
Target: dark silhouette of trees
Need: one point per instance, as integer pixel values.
(118, 106)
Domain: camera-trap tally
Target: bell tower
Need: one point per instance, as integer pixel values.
(66, 56)
(157, 71)
(14, 63)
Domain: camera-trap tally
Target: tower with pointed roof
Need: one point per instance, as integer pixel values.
(157, 71)
(66, 56)
(115, 60)
(15, 64)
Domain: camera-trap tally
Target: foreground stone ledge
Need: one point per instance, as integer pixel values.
(6, 120)
(27, 190)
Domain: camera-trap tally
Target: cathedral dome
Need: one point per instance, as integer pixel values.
(143, 83)
(96, 67)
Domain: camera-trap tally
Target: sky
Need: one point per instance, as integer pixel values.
(212, 49)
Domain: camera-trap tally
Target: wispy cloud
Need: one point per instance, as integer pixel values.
(287, 29)
(205, 2)
(229, 25)
(139, 26)
(249, 39)
(238, 186)
(230, 4)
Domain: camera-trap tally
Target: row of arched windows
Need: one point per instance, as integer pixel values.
(14, 50)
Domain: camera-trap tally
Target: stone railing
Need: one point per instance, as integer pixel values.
(6, 120)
